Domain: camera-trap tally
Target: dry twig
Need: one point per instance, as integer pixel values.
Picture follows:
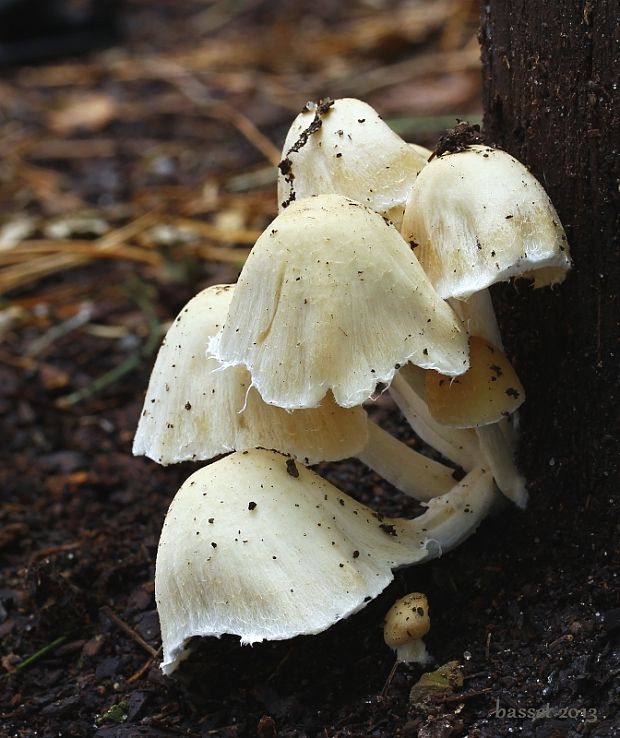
(109, 612)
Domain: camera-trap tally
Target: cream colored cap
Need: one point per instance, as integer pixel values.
(477, 217)
(353, 153)
(331, 298)
(489, 390)
(263, 548)
(195, 410)
(407, 620)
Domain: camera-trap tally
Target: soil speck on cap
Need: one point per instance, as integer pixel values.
(291, 468)
(456, 139)
(390, 530)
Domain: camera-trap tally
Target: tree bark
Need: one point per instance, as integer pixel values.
(550, 73)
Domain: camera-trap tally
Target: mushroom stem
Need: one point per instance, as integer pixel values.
(482, 398)
(409, 471)
(463, 446)
(478, 315)
(445, 521)
(413, 652)
(456, 444)
(496, 440)
(498, 453)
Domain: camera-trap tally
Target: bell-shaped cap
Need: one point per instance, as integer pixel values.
(257, 546)
(477, 217)
(354, 153)
(486, 393)
(195, 410)
(406, 623)
(331, 298)
(408, 619)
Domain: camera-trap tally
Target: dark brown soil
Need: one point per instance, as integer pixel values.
(530, 606)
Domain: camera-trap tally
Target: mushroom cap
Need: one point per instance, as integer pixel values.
(353, 153)
(487, 392)
(292, 553)
(195, 410)
(331, 297)
(259, 547)
(407, 620)
(478, 217)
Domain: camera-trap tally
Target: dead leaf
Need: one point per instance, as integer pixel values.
(53, 378)
(90, 112)
(446, 678)
(9, 662)
(91, 648)
(58, 484)
(11, 533)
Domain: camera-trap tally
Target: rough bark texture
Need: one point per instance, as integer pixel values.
(551, 100)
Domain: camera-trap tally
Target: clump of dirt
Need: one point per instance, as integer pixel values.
(459, 138)
(320, 109)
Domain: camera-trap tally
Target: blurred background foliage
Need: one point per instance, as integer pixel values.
(143, 168)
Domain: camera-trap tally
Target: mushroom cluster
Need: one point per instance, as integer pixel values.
(374, 275)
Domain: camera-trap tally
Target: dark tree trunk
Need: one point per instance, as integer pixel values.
(550, 93)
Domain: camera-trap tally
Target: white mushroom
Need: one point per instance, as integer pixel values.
(331, 298)
(406, 623)
(331, 307)
(474, 218)
(195, 410)
(343, 147)
(477, 217)
(260, 547)
(321, 159)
